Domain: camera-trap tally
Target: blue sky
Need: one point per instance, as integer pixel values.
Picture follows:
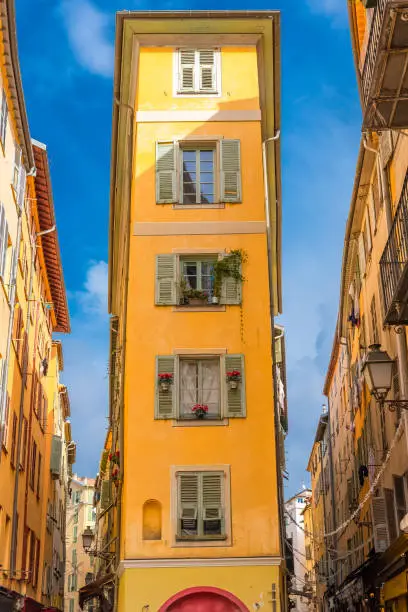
(66, 63)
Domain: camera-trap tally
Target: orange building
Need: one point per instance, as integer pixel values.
(35, 448)
(195, 471)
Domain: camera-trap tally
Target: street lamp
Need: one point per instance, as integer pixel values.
(87, 539)
(378, 369)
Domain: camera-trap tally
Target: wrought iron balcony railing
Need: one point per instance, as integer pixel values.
(394, 265)
(384, 77)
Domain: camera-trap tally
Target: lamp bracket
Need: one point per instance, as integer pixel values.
(393, 405)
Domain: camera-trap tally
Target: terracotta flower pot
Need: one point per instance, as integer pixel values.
(233, 384)
(164, 386)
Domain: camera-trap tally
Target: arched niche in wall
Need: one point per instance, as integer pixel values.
(152, 520)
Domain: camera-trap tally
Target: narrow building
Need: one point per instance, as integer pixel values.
(35, 445)
(295, 540)
(80, 567)
(367, 379)
(193, 474)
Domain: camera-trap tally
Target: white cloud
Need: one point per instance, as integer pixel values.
(94, 298)
(86, 354)
(89, 33)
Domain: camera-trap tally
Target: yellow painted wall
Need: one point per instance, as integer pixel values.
(153, 587)
(237, 93)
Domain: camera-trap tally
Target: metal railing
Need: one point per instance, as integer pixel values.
(372, 48)
(394, 260)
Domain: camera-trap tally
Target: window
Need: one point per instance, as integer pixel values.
(198, 71)
(77, 497)
(6, 420)
(76, 516)
(33, 465)
(200, 504)
(197, 175)
(200, 380)
(74, 556)
(197, 275)
(71, 605)
(39, 474)
(13, 441)
(3, 240)
(374, 323)
(23, 454)
(208, 173)
(3, 118)
(75, 534)
(199, 384)
(400, 504)
(191, 280)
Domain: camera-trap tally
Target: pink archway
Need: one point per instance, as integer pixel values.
(203, 599)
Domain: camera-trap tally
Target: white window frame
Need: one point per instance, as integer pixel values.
(197, 147)
(221, 369)
(227, 540)
(216, 93)
(198, 260)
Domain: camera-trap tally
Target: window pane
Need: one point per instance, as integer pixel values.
(190, 274)
(210, 385)
(206, 155)
(207, 277)
(189, 155)
(188, 387)
(189, 177)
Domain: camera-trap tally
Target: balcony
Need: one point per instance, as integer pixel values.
(384, 77)
(394, 265)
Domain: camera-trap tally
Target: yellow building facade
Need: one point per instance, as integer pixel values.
(34, 452)
(369, 437)
(193, 473)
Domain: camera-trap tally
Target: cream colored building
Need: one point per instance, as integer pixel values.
(79, 569)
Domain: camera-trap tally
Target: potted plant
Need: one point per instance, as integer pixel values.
(165, 380)
(115, 474)
(199, 410)
(233, 378)
(196, 297)
(114, 457)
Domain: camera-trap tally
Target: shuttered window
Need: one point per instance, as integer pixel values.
(56, 455)
(191, 281)
(3, 240)
(375, 337)
(202, 380)
(198, 174)
(200, 506)
(200, 385)
(19, 177)
(361, 256)
(379, 520)
(198, 71)
(3, 117)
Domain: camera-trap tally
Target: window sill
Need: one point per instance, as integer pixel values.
(206, 308)
(195, 206)
(200, 422)
(223, 541)
(212, 538)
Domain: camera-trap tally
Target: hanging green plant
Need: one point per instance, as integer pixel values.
(229, 266)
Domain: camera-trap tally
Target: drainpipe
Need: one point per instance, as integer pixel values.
(274, 372)
(401, 339)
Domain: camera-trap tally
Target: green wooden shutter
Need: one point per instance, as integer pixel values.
(166, 275)
(187, 504)
(231, 290)
(105, 494)
(393, 529)
(166, 400)
(235, 398)
(212, 510)
(56, 453)
(186, 70)
(166, 192)
(206, 60)
(230, 178)
(379, 516)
